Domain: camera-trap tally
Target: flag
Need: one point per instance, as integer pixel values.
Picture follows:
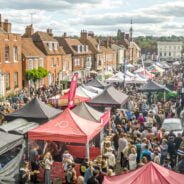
(73, 86)
(143, 66)
(105, 118)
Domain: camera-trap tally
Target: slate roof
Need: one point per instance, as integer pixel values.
(29, 49)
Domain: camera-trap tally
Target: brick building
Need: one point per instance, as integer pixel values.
(10, 60)
(53, 52)
(103, 57)
(32, 58)
(133, 51)
(81, 55)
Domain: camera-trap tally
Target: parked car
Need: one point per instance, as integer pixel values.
(174, 124)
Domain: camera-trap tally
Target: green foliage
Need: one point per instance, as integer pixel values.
(149, 43)
(36, 74)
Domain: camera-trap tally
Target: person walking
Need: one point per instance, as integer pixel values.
(164, 151)
(48, 162)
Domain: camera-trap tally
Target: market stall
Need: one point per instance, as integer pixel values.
(18, 126)
(151, 173)
(71, 129)
(11, 152)
(35, 111)
(96, 83)
(109, 98)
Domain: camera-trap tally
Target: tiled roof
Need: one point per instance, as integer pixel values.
(42, 38)
(105, 49)
(29, 49)
(2, 30)
(69, 45)
(93, 42)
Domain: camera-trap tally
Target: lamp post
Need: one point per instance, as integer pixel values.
(54, 73)
(1, 83)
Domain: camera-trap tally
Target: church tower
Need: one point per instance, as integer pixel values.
(131, 31)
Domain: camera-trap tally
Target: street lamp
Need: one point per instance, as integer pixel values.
(54, 73)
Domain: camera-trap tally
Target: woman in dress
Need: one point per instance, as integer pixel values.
(132, 159)
(48, 166)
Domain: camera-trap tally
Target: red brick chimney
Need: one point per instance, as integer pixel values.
(83, 35)
(29, 31)
(7, 26)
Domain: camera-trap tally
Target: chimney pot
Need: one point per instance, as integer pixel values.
(65, 35)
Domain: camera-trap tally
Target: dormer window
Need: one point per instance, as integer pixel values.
(86, 48)
(55, 46)
(49, 45)
(98, 47)
(78, 48)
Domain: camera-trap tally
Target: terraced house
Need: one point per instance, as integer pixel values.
(54, 55)
(103, 57)
(10, 59)
(81, 55)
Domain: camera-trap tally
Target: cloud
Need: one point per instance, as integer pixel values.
(114, 19)
(174, 9)
(100, 16)
(48, 5)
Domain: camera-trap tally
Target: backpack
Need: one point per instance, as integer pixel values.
(181, 166)
(69, 175)
(147, 156)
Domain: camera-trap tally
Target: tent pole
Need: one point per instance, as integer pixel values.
(101, 137)
(87, 151)
(164, 96)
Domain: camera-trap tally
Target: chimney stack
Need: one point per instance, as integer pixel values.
(65, 35)
(49, 32)
(127, 36)
(84, 34)
(7, 26)
(0, 20)
(29, 31)
(91, 33)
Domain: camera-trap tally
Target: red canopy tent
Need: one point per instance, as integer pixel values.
(151, 173)
(59, 100)
(67, 127)
(147, 74)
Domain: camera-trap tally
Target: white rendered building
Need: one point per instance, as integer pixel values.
(169, 51)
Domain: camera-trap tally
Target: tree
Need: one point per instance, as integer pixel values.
(36, 74)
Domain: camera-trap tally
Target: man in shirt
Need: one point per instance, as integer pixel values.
(93, 179)
(122, 144)
(146, 153)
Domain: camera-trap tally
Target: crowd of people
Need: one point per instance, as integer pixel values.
(135, 138)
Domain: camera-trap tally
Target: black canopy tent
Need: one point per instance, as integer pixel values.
(85, 111)
(109, 98)
(10, 170)
(18, 126)
(96, 83)
(152, 86)
(35, 111)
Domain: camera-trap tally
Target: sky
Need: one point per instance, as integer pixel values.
(103, 17)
